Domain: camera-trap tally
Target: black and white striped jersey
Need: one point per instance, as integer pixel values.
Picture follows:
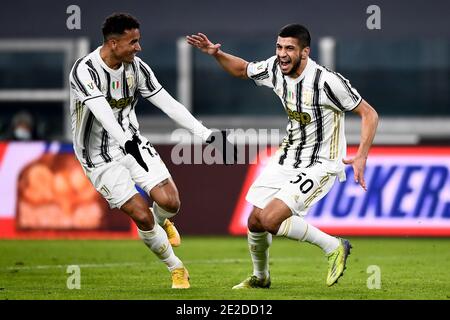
(315, 103)
(91, 78)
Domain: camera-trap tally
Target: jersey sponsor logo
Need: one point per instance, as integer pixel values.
(121, 103)
(90, 85)
(302, 117)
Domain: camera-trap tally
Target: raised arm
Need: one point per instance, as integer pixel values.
(235, 66)
(369, 122)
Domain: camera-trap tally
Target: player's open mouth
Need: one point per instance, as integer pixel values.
(284, 64)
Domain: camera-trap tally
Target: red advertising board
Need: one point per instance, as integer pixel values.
(44, 193)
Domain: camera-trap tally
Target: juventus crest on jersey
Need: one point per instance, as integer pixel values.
(91, 78)
(315, 103)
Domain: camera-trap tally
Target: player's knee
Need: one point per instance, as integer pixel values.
(143, 219)
(269, 223)
(253, 223)
(171, 204)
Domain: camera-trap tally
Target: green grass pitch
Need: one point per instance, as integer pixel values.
(411, 268)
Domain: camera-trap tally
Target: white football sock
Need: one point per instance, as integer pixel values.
(157, 241)
(259, 243)
(160, 214)
(297, 228)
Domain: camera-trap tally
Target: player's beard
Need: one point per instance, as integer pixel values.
(295, 67)
(129, 58)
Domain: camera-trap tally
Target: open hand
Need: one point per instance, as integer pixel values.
(359, 165)
(202, 42)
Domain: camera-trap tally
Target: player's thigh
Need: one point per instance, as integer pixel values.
(267, 185)
(113, 181)
(305, 188)
(157, 170)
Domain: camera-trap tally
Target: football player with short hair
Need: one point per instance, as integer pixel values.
(104, 89)
(311, 156)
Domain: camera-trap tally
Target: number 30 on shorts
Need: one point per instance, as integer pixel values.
(305, 185)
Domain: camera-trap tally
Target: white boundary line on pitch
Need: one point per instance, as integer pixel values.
(130, 264)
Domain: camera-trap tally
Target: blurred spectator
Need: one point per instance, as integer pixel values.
(22, 127)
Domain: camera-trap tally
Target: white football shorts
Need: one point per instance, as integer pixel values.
(298, 188)
(116, 180)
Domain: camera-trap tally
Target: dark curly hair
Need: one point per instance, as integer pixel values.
(117, 23)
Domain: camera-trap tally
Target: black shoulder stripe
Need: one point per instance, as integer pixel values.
(90, 98)
(260, 75)
(153, 93)
(332, 96)
(77, 79)
(347, 87)
(148, 79)
(345, 84)
(93, 77)
(97, 77)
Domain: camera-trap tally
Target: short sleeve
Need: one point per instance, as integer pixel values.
(148, 84)
(262, 72)
(84, 82)
(340, 93)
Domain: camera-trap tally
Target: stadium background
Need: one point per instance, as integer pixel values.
(403, 70)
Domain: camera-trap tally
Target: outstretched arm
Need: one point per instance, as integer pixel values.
(177, 112)
(369, 122)
(235, 66)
